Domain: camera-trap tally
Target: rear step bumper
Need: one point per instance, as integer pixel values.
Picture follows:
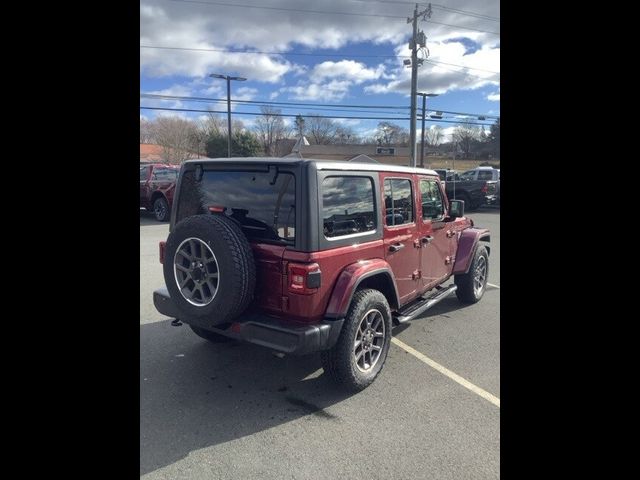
(264, 330)
(412, 311)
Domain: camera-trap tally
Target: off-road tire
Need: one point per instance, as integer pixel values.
(235, 265)
(211, 336)
(339, 362)
(161, 209)
(466, 292)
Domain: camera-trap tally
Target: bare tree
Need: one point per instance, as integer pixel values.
(466, 135)
(322, 131)
(433, 136)
(176, 137)
(269, 129)
(146, 131)
(391, 134)
(346, 135)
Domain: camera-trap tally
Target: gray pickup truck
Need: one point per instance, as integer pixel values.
(480, 186)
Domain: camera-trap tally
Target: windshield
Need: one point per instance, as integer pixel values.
(263, 203)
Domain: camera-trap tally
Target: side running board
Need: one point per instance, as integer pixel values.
(414, 309)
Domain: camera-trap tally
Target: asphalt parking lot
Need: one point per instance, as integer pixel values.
(237, 411)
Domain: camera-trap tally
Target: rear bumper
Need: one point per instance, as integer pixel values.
(263, 330)
(492, 199)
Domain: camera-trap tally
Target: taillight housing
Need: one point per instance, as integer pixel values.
(304, 278)
(162, 247)
(484, 188)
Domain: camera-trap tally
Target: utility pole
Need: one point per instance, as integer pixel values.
(424, 112)
(417, 38)
(228, 79)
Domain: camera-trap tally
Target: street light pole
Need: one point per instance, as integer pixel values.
(228, 79)
(424, 112)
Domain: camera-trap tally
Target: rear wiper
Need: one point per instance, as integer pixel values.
(275, 177)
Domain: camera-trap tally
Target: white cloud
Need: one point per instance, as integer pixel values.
(332, 91)
(351, 70)
(494, 97)
(193, 25)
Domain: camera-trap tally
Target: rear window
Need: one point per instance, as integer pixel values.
(347, 206)
(165, 174)
(262, 203)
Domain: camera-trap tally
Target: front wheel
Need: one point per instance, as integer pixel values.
(471, 285)
(361, 350)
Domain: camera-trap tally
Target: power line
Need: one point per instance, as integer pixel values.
(305, 54)
(292, 115)
(464, 28)
(434, 5)
(298, 10)
(323, 12)
(281, 103)
(466, 12)
(439, 63)
(274, 53)
(269, 103)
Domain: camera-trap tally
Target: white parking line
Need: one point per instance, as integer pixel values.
(492, 285)
(445, 371)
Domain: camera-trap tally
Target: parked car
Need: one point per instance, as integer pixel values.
(489, 175)
(305, 256)
(157, 185)
(472, 193)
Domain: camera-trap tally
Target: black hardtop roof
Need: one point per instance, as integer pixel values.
(319, 164)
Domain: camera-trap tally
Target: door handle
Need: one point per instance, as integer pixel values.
(396, 247)
(426, 240)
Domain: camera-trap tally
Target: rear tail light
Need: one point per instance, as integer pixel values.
(485, 187)
(217, 209)
(304, 278)
(162, 247)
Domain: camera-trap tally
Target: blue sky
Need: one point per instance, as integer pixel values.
(350, 63)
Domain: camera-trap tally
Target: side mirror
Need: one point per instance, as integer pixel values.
(456, 208)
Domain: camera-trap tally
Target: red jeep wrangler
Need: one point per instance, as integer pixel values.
(157, 185)
(306, 256)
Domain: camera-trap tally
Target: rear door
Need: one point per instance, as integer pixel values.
(402, 249)
(435, 234)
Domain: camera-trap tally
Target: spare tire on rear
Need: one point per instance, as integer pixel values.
(209, 268)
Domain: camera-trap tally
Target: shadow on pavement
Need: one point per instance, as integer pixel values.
(195, 394)
(148, 218)
(484, 209)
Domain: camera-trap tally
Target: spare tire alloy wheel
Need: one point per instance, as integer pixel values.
(196, 272)
(209, 270)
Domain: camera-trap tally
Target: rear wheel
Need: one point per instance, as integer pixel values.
(361, 350)
(161, 209)
(472, 285)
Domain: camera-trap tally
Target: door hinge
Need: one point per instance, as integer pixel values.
(447, 260)
(416, 275)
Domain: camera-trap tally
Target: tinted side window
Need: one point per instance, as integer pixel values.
(398, 201)
(470, 175)
(144, 172)
(485, 175)
(432, 206)
(347, 206)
